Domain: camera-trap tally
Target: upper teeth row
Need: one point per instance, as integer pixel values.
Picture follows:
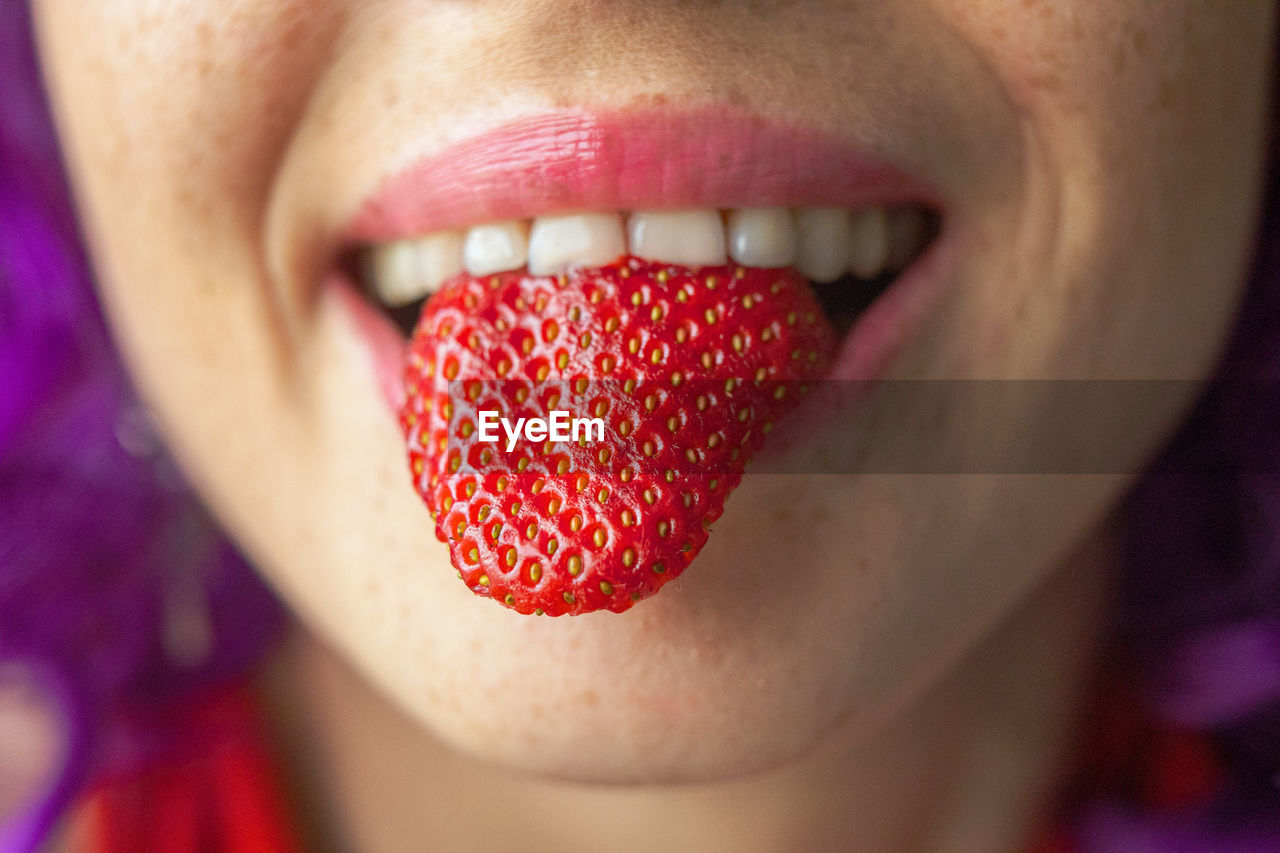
(823, 243)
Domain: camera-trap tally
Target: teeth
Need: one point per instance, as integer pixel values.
(584, 239)
(691, 238)
(824, 235)
(869, 245)
(823, 243)
(439, 259)
(498, 247)
(762, 237)
(395, 273)
(907, 235)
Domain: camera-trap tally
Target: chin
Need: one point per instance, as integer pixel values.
(733, 670)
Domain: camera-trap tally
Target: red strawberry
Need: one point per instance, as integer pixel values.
(688, 370)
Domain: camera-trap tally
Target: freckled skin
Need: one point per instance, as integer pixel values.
(1101, 166)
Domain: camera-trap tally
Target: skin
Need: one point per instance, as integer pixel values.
(1100, 165)
(28, 740)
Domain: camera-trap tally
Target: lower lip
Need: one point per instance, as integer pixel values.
(865, 353)
(879, 332)
(386, 346)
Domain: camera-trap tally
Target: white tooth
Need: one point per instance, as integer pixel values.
(869, 243)
(906, 236)
(824, 236)
(439, 259)
(395, 273)
(583, 239)
(691, 238)
(497, 247)
(762, 237)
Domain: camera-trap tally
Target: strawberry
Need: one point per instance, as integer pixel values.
(687, 370)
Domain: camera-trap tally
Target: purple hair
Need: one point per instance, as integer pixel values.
(116, 590)
(1198, 623)
(117, 593)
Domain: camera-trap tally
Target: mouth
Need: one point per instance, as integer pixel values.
(666, 277)
(694, 189)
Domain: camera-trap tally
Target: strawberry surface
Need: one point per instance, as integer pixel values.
(687, 369)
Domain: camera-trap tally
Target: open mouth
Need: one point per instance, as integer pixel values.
(684, 336)
(849, 257)
(606, 269)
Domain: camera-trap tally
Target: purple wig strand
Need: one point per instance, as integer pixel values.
(102, 545)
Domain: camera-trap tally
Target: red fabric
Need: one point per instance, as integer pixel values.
(1126, 754)
(221, 795)
(1184, 771)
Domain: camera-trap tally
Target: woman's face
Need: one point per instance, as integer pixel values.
(1096, 167)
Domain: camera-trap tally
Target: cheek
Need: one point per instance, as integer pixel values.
(1143, 128)
(175, 117)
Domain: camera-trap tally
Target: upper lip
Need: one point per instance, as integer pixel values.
(575, 160)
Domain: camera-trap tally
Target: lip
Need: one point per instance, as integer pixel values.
(642, 159)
